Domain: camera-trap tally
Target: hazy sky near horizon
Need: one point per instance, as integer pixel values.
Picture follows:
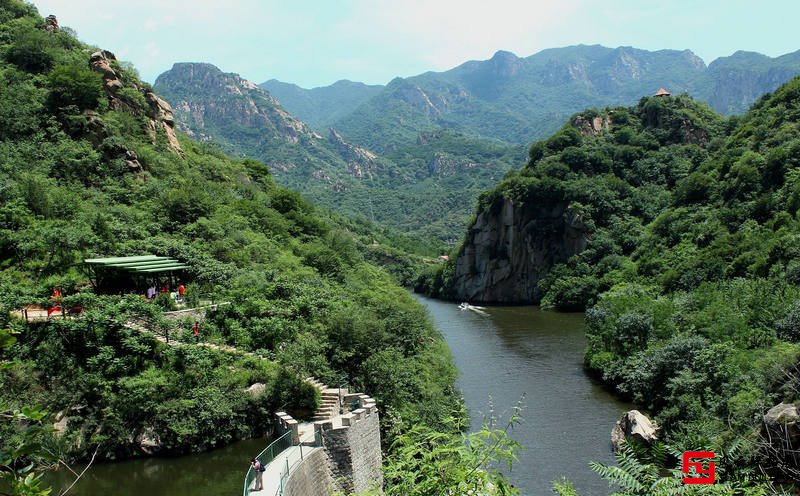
(317, 42)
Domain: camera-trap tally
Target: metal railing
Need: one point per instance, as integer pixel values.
(270, 454)
(266, 456)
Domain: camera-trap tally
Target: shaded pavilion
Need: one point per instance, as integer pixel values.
(132, 274)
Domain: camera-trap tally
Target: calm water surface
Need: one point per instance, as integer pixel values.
(216, 473)
(522, 350)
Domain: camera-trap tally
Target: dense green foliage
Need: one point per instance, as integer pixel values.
(303, 297)
(426, 462)
(690, 272)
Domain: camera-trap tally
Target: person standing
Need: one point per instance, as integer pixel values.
(259, 469)
(196, 330)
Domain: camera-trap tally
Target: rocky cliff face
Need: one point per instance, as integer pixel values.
(737, 81)
(158, 112)
(360, 161)
(205, 98)
(510, 248)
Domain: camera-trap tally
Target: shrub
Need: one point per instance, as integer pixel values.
(74, 85)
(31, 51)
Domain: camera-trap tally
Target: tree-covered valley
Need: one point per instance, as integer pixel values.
(673, 227)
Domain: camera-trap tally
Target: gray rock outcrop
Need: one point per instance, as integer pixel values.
(510, 247)
(51, 24)
(781, 437)
(158, 110)
(633, 425)
(256, 389)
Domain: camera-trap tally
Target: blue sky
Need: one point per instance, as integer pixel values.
(316, 42)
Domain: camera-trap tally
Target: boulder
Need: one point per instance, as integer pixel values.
(132, 161)
(148, 441)
(781, 436)
(633, 425)
(60, 425)
(783, 414)
(256, 389)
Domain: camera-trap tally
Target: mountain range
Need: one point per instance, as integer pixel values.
(414, 154)
(426, 187)
(520, 100)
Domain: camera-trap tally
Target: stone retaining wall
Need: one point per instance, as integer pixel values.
(310, 478)
(350, 459)
(354, 449)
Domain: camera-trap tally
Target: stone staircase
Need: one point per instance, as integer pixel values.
(330, 400)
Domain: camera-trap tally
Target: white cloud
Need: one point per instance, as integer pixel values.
(450, 32)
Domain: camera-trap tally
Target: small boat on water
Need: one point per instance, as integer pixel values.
(474, 308)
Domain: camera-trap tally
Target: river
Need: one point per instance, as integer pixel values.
(513, 351)
(509, 352)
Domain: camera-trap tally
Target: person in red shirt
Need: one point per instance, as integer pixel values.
(181, 290)
(196, 330)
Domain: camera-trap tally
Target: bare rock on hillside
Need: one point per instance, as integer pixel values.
(633, 425)
(51, 24)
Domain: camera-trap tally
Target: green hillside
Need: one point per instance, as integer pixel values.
(690, 273)
(91, 166)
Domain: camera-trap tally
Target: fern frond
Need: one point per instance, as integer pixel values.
(619, 477)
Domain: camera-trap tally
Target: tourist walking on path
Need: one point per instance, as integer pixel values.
(259, 469)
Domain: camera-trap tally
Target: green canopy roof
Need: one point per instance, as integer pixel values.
(147, 264)
(107, 261)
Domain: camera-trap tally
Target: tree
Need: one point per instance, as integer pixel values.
(75, 85)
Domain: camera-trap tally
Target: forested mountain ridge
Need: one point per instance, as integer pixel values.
(90, 165)
(518, 99)
(321, 107)
(678, 231)
(425, 188)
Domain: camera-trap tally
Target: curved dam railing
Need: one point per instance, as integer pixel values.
(280, 458)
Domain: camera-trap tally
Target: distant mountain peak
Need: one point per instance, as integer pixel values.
(504, 55)
(505, 64)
